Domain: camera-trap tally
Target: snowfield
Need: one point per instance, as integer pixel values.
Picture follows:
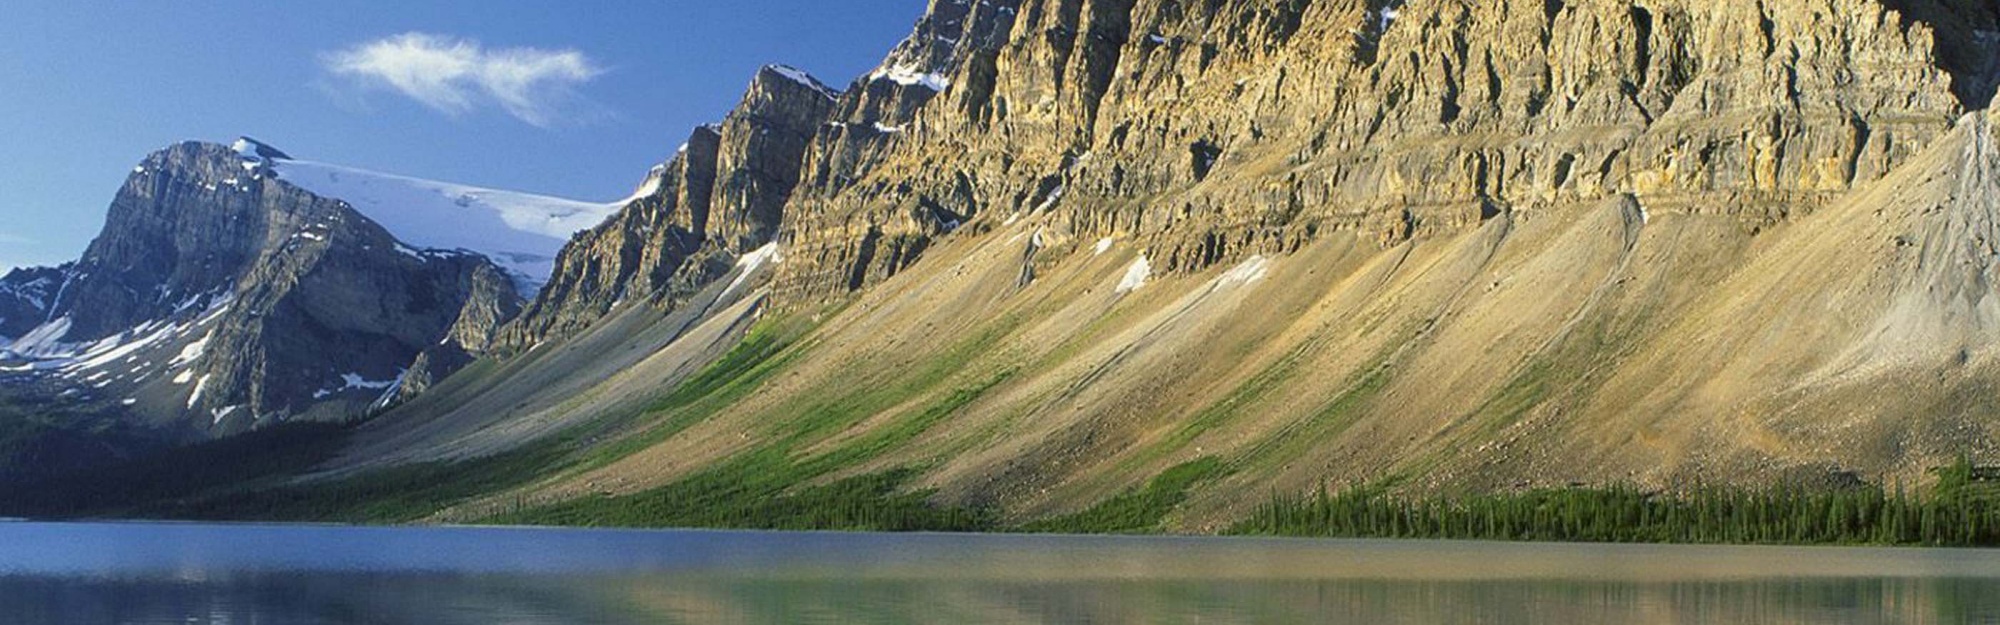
(521, 232)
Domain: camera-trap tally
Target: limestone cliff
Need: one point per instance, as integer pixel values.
(1215, 130)
(721, 196)
(1052, 248)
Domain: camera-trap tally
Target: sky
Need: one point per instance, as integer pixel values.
(573, 99)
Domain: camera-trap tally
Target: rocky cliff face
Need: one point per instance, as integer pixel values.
(220, 297)
(24, 299)
(1215, 130)
(720, 197)
(1434, 243)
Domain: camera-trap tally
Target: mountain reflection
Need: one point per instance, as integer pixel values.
(484, 599)
(258, 575)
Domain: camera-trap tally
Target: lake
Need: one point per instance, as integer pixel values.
(260, 575)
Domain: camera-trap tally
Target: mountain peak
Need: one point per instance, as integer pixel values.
(787, 72)
(254, 150)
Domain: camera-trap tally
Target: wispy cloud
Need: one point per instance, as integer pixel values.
(9, 238)
(456, 76)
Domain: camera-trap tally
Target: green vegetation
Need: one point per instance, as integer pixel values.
(172, 475)
(1231, 406)
(1141, 511)
(1342, 412)
(737, 496)
(840, 457)
(1959, 511)
(42, 441)
(255, 476)
(764, 351)
(779, 485)
(768, 488)
(394, 495)
(412, 492)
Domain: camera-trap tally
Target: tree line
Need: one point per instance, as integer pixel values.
(1958, 510)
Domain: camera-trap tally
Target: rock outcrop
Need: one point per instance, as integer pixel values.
(1222, 129)
(720, 197)
(25, 294)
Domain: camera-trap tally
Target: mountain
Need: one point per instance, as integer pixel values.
(520, 232)
(234, 287)
(24, 298)
(1057, 255)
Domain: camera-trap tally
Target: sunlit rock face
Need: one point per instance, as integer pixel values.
(1215, 130)
(721, 196)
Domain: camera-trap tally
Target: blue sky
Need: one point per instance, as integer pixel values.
(575, 99)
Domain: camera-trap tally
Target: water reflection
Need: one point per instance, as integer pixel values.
(259, 575)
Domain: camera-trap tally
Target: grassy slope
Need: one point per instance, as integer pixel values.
(780, 486)
(954, 397)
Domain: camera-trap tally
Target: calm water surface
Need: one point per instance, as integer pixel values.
(262, 575)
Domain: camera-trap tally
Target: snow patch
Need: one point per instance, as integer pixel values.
(389, 392)
(190, 353)
(1386, 16)
(1103, 245)
(356, 382)
(35, 366)
(195, 397)
(1055, 195)
(247, 149)
(45, 341)
(749, 264)
(654, 178)
(911, 76)
(800, 76)
(1136, 276)
(186, 303)
(124, 346)
(1246, 272)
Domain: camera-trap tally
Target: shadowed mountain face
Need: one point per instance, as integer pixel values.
(220, 297)
(24, 298)
(1052, 249)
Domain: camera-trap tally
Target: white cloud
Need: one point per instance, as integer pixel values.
(456, 76)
